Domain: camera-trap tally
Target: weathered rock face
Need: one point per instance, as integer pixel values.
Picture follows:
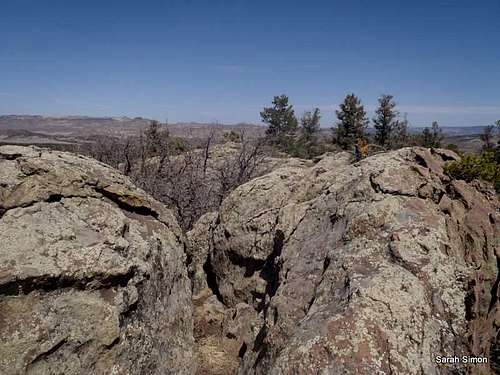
(366, 268)
(92, 272)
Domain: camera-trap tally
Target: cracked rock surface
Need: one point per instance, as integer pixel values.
(338, 268)
(92, 271)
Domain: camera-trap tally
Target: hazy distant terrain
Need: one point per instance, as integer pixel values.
(76, 129)
(28, 129)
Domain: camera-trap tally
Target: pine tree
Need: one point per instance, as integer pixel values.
(281, 121)
(352, 121)
(310, 124)
(400, 136)
(431, 137)
(306, 146)
(385, 119)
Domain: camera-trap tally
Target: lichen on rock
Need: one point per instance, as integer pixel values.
(92, 271)
(364, 268)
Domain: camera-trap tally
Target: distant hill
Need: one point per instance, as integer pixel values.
(457, 130)
(83, 126)
(70, 125)
(32, 129)
(77, 124)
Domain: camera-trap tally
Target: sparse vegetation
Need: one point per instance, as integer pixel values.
(281, 121)
(310, 125)
(308, 144)
(231, 136)
(431, 137)
(485, 166)
(181, 175)
(487, 137)
(470, 167)
(352, 122)
(385, 120)
(400, 136)
(284, 134)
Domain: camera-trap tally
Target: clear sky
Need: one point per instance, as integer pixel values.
(189, 60)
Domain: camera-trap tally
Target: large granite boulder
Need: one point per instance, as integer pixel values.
(375, 267)
(93, 276)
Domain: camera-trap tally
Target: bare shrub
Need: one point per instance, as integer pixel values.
(182, 175)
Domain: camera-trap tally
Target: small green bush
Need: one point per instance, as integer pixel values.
(232, 136)
(471, 167)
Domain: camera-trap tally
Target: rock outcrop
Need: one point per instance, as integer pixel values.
(375, 267)
(319, 267)
(93, 276)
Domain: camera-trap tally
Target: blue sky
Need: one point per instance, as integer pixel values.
(224, 60)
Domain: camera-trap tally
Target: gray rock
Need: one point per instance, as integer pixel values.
(198, 249)
(366, 268)
(92, 271)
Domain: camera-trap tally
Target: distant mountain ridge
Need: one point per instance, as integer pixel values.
(76, 125)
(83, 126)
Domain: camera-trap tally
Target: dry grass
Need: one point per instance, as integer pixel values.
(214, 358)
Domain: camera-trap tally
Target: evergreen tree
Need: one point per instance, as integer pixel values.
(306, 146)
(431, 137)
(400, 136)
(310, 125)
(352, 121)
(385, 119)
(281, 121)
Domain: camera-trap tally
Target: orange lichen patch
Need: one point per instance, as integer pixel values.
(363, 352)
(360, 344)
(320, 356)
(340, 330)
(367, 225)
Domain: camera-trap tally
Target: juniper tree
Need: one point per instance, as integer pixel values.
(352, 121)
(281, 121)
(385, 119)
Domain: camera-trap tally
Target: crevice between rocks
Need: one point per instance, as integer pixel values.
(48, 352)
(13, 156)
(421, 161)
(140, 210)
(378, 189)
(250, 265)
(212, 279)
(49, 283)
(270, 271)
(52, 198)
(494, 289)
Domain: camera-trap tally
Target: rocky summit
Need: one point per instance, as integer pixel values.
(92, 271)
(318, 267)
(376, 267)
